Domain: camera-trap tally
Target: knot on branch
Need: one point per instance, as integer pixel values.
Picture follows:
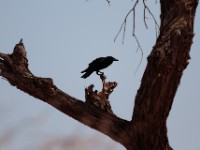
(190, 4)
(100, 99)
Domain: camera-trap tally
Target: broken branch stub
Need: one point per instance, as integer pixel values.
(100, 99)
(14, 68)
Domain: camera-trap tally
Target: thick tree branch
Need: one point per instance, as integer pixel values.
(14, 68)
(147, 130)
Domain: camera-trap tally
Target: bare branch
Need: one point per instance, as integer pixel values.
(138, 48)
(123, 26)
(18, 74)
(151, 14)
(133, 22)
(124, 33)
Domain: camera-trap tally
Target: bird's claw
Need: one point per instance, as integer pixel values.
(103, 77)
(101, 74)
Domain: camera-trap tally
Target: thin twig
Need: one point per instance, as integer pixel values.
(151, 14)
(139, 47)
(124, 32)
(124, 23)
(133, 22)
(123, 26)
(144, 18)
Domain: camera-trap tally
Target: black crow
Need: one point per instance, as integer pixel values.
(97, 65)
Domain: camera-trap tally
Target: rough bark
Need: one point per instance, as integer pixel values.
(14, 68)
(147, 130)
(161, 78)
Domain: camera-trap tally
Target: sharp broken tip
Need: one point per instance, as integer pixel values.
(21, 41)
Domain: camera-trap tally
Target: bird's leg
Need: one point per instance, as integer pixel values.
(103, 78)
(101, 74)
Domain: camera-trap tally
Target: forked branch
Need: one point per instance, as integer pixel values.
(133, 10)
(151, 14)
(123, 26)
(124, 23)
(100, 99)
(14, 68)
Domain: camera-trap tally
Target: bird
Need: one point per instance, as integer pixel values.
(97, 65)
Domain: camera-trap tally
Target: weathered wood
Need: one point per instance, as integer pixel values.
(162, 76)
(147, 130)
(14, 68)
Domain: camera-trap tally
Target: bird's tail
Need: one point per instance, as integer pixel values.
(87, 74)
(84, 71)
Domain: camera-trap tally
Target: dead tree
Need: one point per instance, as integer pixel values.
(147, 130)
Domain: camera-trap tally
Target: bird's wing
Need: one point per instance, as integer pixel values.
(96, 62)
(93, 64)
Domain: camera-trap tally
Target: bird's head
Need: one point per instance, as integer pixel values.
(112, 58)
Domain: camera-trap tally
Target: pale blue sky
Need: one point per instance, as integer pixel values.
(61, 37)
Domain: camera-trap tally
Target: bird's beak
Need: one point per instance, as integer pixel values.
(115, 59)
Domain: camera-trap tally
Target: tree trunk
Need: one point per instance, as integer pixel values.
(161, 78)
(147, 130)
